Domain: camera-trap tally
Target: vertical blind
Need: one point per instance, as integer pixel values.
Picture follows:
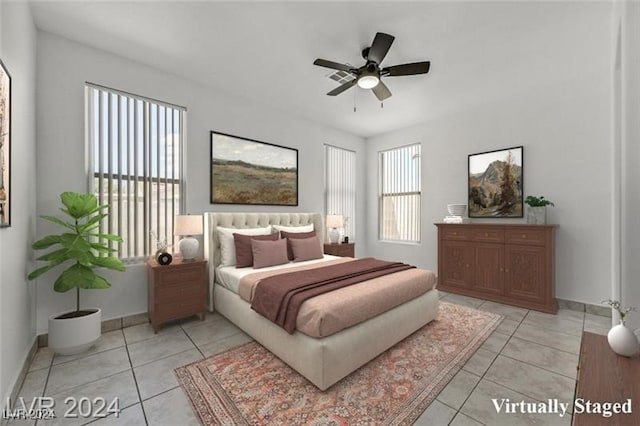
(135, 147)
(400, 187)
(340, 186)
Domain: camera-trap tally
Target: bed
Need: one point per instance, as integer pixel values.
(322, 360)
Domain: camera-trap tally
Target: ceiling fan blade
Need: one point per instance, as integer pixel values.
(381, 91)
(332, 65)
(342, 88)
(380, 47)
(407, 69)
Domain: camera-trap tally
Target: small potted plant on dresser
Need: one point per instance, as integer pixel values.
(537, 209)
(81, 243)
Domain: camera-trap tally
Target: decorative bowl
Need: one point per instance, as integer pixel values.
(456, 209)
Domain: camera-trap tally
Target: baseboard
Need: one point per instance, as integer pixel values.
(603, 311)
(107, 326)
(13, 394)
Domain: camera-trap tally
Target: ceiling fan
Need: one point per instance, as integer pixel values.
(369, 75)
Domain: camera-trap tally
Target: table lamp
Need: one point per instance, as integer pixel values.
(188, 226)
(334, 221)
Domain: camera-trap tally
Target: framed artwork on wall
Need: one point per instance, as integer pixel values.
(246, 171)
(5, 147)
(495, 184)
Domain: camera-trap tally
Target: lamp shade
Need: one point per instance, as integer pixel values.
(335, 221)
(188, 225)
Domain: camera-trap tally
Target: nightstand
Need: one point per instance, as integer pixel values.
(177, 290)
(340, 249)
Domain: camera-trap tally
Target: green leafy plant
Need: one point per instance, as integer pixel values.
(81, 244)
(534, 201)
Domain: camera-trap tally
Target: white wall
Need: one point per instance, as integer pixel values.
(64, 66)
(17, 296)
(630, 276)
(564, 124)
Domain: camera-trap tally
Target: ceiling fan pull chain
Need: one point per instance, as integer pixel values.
(381, 105)
(355, 94)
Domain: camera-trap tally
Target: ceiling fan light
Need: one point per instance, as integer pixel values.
(368, 81)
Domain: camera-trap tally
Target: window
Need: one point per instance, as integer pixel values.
(135, 158)
(400, 178)
(340, 186)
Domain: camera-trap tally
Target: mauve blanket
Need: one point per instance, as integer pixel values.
(279, 298)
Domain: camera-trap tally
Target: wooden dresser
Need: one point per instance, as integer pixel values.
(512, 264)
(177, 290)
(604, 376)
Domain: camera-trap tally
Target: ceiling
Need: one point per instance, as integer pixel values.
(263, 51)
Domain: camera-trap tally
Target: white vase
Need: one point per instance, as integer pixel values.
(622, 340)
(537, 215)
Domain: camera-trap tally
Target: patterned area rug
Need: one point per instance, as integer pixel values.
(249, 385)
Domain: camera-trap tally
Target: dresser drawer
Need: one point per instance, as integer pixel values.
(179, 309)
(525, 236)
(169, 293)
(456, 233)
(180, 275)
(343, 250)
(488, 235)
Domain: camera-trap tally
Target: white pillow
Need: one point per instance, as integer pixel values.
(294, 229)
(228, 245)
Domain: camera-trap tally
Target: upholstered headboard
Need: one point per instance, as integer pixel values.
(248, 220)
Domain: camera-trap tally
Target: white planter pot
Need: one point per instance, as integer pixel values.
(622, 340)
(71, 336)
(536, 215)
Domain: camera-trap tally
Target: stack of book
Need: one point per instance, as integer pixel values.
(453, 219)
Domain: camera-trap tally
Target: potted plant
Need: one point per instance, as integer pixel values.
(537, 210)
(81, 244)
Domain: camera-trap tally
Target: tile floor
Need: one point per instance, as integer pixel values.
(531, 356)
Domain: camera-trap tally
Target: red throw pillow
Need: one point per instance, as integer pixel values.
(306, 249)
(295, 235)
(269, 253)
(244, 255)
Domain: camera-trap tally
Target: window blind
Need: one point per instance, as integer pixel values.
(135, 157)
(400, 193)
(340, 186)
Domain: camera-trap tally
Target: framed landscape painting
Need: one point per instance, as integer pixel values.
(5, 147)
(246, 171)
(495, 184)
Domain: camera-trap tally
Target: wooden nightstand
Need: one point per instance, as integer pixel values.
(342, 249)
(176, 291)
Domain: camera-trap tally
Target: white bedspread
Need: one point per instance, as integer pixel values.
(229, 276)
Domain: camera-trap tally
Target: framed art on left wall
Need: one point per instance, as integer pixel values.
(5, 147)
(246, 171)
